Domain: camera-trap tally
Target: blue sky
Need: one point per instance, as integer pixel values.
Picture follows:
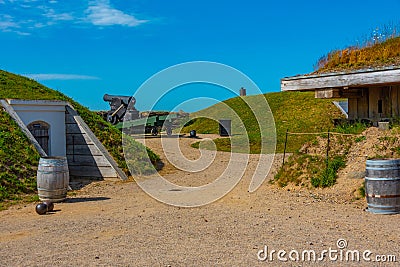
(87, 48)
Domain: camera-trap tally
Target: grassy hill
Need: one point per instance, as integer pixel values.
(293, 111)
(18, 159)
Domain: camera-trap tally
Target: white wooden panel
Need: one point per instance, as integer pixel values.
(339, 80)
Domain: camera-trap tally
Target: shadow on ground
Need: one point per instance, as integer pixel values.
(85, 199)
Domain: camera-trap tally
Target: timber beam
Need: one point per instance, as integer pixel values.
(359, 78)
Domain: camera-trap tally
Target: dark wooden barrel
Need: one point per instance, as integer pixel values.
(382, 186)
(52, 178)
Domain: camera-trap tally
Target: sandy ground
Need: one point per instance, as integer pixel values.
(114, 223)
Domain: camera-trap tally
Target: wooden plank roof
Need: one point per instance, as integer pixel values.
(357, 78)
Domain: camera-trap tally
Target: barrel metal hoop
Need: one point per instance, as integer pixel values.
(52, 172)
(382, 178)
(382, 168)
(380, 211)
(52, 190)
(383, 161)
(382, 207)
(383, 196)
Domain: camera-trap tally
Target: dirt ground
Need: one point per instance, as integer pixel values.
(114, 223)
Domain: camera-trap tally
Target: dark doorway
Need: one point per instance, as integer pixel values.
(40, 130)
(380, 107)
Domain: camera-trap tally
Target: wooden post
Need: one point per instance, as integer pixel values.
(327, 151)
(284, 149)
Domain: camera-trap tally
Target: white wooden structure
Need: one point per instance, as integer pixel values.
(56, 129)
(373, 94)
(46, 122)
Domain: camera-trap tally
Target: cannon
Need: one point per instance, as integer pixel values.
(125, 117)
(121, 108)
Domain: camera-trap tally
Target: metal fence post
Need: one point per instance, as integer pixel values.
(327, 151)
(284, 149)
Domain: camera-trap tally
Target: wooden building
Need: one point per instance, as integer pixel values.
(373, 94)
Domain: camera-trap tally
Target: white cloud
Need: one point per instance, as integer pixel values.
(100, 13)
(22, 33)
(25, 17)
(54, 16)
(7, 24)
(57, 76)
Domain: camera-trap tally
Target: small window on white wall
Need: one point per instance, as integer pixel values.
(40, 130)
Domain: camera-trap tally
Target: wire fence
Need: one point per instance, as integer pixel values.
(328, 133)
(317, 157)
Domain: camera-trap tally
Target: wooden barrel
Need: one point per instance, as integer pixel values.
(382, 186)
(52, 178)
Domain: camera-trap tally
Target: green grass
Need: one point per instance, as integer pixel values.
(308, 166)
(354, 128)
(298, 169)
(328, 176)
(361, 190)
(19, 159)
(295, 111)
(307, 170)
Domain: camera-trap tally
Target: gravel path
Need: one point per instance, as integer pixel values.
(113, 223)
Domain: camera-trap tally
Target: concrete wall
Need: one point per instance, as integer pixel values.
(51, 112)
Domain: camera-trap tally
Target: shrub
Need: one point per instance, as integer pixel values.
(360, 138)
(351, 128)
(328, 176)
(361, 190)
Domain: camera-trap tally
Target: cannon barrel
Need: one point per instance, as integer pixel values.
(124, 99)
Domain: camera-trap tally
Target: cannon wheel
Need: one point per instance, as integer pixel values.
(112, 119)
(154, 131)
(169, 131)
